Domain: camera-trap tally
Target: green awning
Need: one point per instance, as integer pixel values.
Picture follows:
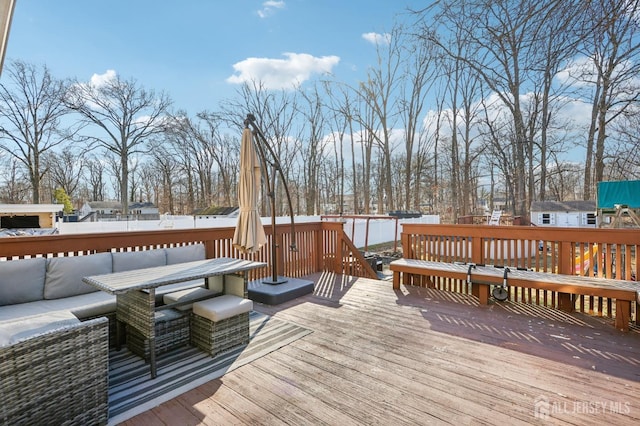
(626, 192)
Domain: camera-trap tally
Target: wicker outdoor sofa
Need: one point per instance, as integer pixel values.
(56, 376)
(55, 333)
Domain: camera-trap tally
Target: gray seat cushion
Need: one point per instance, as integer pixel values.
(222, 307)
(22, 280)
(161, 291)
(188, 295)
(64, 274)
(83, 306)
(126, 261)
(26, 327)
(185, 254)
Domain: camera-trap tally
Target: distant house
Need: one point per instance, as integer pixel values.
(216, 212)
(572, 214)
(112, 210)
(100, 207)
(13, 216)
(143, 208)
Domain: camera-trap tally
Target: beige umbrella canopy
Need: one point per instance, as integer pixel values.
(249, 235)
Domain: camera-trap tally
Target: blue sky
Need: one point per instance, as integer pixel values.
(190, 48)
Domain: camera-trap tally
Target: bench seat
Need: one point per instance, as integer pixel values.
(483, 277)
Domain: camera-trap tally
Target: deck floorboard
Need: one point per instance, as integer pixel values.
(422, 356)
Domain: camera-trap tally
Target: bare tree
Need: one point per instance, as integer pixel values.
(114, 167)
(126, 113)
(16, 187)
(275, 112)
(212, 148)
(313, 147)
(625, 155)
(366, 118)
(379, 94)
(31, 109)
(614, 49)
(340, 104)
(500, 40)
(168, 172)
(419, 72)
(96, 176)
(150, 182)
(559, 35)
(431, 140)
(67, 169)
(178, 138)
(462, 90)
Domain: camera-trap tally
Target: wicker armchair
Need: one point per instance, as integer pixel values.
(57, 377)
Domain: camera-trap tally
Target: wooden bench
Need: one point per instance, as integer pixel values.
(483, 277)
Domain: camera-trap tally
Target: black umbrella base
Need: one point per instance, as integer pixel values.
(285, 289)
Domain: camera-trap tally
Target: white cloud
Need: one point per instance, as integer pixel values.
(580, 72)
(377, 38)
(282, 73)
(269, 7)
(98, 80)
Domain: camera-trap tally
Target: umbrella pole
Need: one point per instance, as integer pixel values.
(264, 290)
(263, 148)
(274, 243)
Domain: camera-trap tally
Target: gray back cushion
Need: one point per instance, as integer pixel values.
(185, 254)
(126, 261)
(22, 280)
(64, 274)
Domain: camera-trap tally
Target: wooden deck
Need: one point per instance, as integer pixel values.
(423, 356)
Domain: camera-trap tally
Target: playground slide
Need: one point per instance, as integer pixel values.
(590, 253)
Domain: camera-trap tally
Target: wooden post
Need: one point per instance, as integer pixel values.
(209, 249)
(565, 258)
(477, 257)
(320, 243)
(406, 250)
(396, 280)
(566, 302)
(337, 262)
(366, 235)
(623, 314)
(483, 293)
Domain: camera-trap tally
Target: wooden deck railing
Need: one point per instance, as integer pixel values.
(607, 253)
(321, 246)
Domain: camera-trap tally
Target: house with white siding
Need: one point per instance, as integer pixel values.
(565, 214)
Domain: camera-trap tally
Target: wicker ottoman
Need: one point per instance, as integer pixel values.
(172, 330)
(220, 323)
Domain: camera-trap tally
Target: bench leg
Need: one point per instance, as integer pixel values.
(483, 291)
(427, 282)
(396, 280)
(566, 302)
(623, 314)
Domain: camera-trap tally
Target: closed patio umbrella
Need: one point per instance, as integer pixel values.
(249, 235)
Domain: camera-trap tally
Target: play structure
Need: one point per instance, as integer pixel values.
(583, 261)
(619, 204)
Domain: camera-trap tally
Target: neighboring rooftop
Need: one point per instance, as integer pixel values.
(563, 206)
(215, 211)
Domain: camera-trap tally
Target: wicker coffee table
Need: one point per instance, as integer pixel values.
(135, 291)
